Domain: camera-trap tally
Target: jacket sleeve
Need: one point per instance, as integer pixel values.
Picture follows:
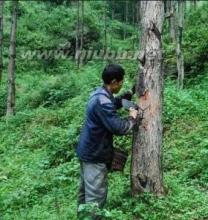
(112, 121)
(118, 100)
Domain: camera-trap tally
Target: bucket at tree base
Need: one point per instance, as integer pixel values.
(119, 160)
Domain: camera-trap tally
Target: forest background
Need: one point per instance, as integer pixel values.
(39, 171)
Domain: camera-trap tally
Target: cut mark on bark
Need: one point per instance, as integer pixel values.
(141, 86)
(145, 95)
(156, 31)
(142, 58)
(142, 181)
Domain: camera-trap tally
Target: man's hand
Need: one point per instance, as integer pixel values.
(133, 113)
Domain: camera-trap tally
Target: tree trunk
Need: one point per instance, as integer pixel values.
(172, 21)
(126, 17)
(168, 13)
(82, 26)
(138, 17)
(82, 32)
(194, 4)
(146, 167)
(185, 6)
(105, 29)
(112, 18)
(138, 20)
(77, 56)
(179, 52)
(133, 13)
(11, 66)
(1, 38)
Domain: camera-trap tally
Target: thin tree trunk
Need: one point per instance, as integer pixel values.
(166, 6)
(77, 56)
(194, 4)
(82, 32)
(105, 29)
(138, 20)
(168, 12)
(133, 12)
(179, 52)
(172, 21)
(112, 18)
(1, 38)
(126, 17)
(112, 11)
(185, 5)
(11, 66)
(82, 25)
(146, 166)
(138, 17)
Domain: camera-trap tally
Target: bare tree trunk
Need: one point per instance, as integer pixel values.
(185, 5)
(194, 4)
(138, 17)
(77, 55)
(82, 32)
(168, 13)
(1, 38)
(172, 21)
(146, 167)
(12, 58)
(112, 18)
(179, 52)
(112, 13)
(126, 17)
(105, 29)
(82, 25)
(133, 13)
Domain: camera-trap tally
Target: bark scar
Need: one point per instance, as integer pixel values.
(142, 181)
(156, 31)
(142, 58)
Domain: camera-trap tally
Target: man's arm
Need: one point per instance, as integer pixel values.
(127, 95)
(106, 112)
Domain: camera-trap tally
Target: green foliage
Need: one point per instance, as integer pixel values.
(39, 170)
(195, 43)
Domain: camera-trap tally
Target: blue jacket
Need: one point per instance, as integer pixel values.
(101, 123)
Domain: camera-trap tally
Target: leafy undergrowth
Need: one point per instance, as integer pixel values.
(39, 171)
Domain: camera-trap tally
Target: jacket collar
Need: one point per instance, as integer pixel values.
(107, 91)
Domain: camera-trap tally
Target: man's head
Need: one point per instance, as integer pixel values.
(113, 76)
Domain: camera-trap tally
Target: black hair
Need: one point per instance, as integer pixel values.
(113, 72)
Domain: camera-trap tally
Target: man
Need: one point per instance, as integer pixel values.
(95, 148)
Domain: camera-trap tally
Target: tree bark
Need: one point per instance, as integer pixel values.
(172, 21)
(126, 17)
(194, 4)
(133, 12)
(77, 56)
(80, 63)
(12, 58)
(138, 17)
(1, 38)
(146, 166)
(82, 25)
(105, 29)
(179, 52)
